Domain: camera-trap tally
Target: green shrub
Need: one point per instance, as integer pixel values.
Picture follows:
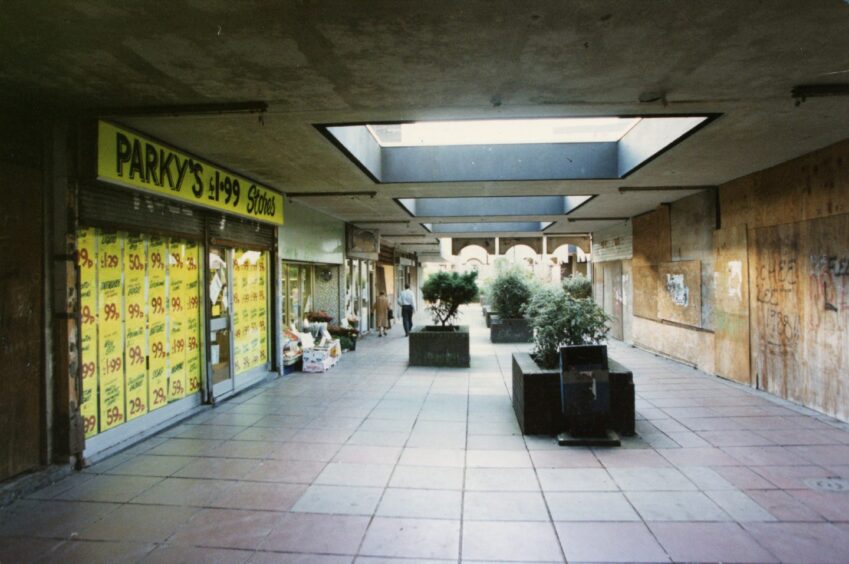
(510, 294)
(578, 286)
(447, 291)
(560, 319)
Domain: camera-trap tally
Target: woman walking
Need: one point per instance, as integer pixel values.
(381, 314)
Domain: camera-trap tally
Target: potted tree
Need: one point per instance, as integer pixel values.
(558, 319)
(443, 343)
(510, 294)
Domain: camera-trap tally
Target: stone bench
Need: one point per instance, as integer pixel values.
(536, 397)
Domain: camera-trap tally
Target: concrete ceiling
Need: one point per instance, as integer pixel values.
(334, 62)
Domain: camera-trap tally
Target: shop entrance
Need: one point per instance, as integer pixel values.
(237, 288)
(220, 322)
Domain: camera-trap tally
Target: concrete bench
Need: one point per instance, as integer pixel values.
(536, 398)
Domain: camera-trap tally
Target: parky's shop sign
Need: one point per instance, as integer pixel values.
(131, 160)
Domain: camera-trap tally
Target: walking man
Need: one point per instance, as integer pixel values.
(407, 301)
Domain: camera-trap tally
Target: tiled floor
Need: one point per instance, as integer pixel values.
(375, 462)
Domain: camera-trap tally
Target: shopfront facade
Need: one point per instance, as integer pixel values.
(174, 265)
(312, 254)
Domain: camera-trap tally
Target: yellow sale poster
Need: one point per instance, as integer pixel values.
(192, 304)
(177, 320)
(135, 325)
(87, 263)
(111, 338)
(262, 312)
(157, 317)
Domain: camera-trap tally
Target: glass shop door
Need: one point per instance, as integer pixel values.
(220, 320)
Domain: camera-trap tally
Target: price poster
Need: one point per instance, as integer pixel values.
(177, 320)
(241, 315)
(192, 304)
(135, 325)
(157, 318)
(87, 263)
(111, 338)
(262, 312)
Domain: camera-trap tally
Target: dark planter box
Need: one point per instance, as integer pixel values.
(510, 331)
(489, 316)
(433, 345)
(536, 397)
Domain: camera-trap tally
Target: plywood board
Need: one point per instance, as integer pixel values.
(689, 345)
(613, 296)
(806, 188)
(799, 283)
(645, 281)
(731, 304)
(679, 293)
(21, 320)
(652, 237)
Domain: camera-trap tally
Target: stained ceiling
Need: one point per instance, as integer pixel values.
(372, 61)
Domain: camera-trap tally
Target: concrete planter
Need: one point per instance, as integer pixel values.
(536, 397)
(510, 331)
(434, 345)
(489, 314)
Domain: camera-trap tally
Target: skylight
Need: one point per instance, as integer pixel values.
(502, 132)
(489, 227)
(490, 206)
(588, 148)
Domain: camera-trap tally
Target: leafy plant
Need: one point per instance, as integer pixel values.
(510, 294)
(560, 319)
(578, 286)
(446, 292)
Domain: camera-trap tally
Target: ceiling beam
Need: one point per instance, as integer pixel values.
(623, 189)
(364, 193)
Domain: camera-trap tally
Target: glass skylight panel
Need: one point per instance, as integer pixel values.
(503, 131)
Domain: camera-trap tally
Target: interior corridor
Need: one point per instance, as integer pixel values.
(374, 461)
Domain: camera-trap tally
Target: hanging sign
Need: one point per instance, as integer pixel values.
(129, 159)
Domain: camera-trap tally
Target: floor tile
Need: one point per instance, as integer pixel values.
(501, 479)
(427, 477)
(197, 555)
(140, 523)
(575, 479)
(433, 457)
(289, 471)
(226, 528)
(341, 500)
(21, 549)
(217, 468)
(345, 474)
(802, 542)
(651, 479)
(498, 459)
(420, 504)
(504, 540)
(564, 458)
(310, 452)
(46, 518)
(504, 506)
(323, 534)
(260, 496)
(185, 491)
(110, 488)
(709, 542)
(609, 542)
(150, 465)
(358, 454)
(96, 552)
(412, 538)
(676, 506)
(739, 506)
(590, 506)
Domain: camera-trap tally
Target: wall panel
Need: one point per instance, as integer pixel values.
(731, 308)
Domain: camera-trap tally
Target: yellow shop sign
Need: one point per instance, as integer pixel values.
(131, 160)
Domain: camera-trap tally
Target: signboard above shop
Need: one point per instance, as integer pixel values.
(129, 159)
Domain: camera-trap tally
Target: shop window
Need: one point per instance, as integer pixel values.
(250, 309)
(298, 292)
(140, 331)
